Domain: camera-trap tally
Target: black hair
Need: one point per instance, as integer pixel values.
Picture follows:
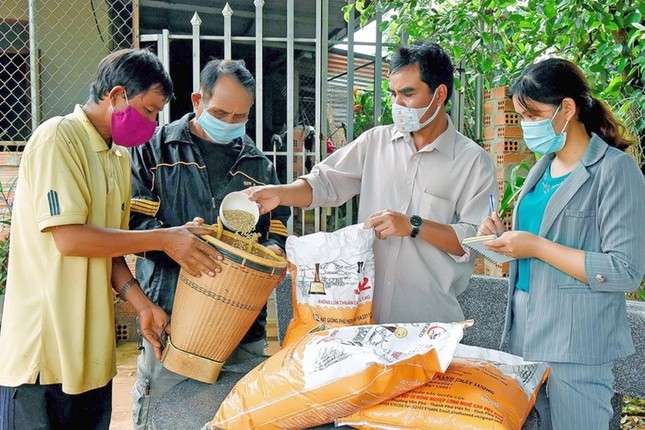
(217, 68)
(552, 80)
(137, 70)
(434, 64)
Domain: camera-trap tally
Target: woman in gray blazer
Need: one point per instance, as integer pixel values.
(579, 239)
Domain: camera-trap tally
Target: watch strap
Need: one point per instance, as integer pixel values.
(415, 231)
(416, 222)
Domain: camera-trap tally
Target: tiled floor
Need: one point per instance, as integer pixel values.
(126, 359)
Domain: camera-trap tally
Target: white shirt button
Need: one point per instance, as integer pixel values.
(600, 278)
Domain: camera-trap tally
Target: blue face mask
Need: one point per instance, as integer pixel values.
(540, 136)
(220, 131)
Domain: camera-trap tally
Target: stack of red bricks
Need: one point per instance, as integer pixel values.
(504, 143)
(124, 314)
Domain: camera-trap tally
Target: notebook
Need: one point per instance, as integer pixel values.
(476, 243)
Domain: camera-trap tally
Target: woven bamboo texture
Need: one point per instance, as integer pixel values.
(211, 315)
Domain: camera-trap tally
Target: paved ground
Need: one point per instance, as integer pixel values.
(126, 366)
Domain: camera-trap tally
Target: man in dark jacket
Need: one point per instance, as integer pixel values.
(183, 174)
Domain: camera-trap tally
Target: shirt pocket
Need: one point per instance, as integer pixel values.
(437, 209)
(579, 229)
(574, 213)
(575, 288)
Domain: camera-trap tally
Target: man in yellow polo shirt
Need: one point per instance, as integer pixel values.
(57, 344)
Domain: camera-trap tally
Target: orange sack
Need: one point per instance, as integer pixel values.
(333, 373)
(482, 389)
(332, 280)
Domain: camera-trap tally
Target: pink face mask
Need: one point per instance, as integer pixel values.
(129, 127)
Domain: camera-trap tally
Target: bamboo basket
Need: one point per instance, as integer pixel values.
(211, 315)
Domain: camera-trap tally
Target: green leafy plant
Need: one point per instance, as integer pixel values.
(641, 291)
(639, 294)
(497, 39)
(4, 260)
(513, 188)
(6, 194)
(364, 108)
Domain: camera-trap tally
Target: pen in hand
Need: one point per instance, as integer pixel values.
(493, 210)
(491, 200)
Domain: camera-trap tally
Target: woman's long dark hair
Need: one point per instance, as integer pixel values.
(552, 80)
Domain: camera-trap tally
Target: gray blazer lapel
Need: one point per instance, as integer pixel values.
(562, 195)
(572, 184)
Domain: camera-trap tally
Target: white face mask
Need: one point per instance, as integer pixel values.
(407, 120)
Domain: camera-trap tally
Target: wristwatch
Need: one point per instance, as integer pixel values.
(415, 221)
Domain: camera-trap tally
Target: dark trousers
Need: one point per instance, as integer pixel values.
(4, 408)
(35, 406)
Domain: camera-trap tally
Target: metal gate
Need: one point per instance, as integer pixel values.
(307, 103)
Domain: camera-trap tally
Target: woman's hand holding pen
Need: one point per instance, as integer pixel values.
(492, 224)
(518, 244)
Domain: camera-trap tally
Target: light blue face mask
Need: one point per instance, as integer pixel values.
(540, 136)
(220, 131)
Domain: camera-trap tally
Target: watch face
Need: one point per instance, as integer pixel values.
(416, 220)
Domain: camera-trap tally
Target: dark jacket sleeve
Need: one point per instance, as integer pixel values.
(144, 202)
